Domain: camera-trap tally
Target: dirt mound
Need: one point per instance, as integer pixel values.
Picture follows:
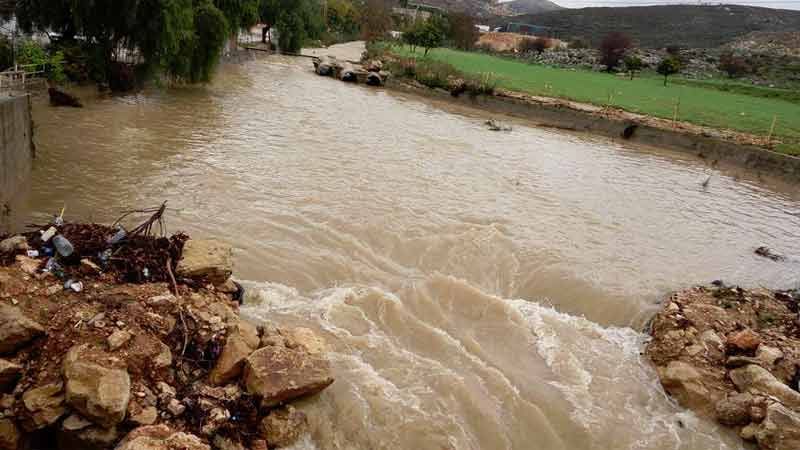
(733, 355)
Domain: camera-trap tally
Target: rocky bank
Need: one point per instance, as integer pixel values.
(733, 355)
(152, 365)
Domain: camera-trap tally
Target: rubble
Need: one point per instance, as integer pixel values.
(747, 380)
(135, 362)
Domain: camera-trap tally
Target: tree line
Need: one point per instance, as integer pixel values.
(181, 39)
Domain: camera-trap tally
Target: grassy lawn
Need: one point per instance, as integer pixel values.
(704, 106)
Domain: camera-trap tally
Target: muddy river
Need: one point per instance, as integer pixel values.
(480, 290)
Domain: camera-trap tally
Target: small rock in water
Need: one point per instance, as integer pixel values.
(497, 126)
(767, 252)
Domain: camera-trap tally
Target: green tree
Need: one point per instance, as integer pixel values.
(432, 33)
(633, 64)
(668, 66)
(181, 38)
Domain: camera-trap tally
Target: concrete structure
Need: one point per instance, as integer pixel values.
(16, 153)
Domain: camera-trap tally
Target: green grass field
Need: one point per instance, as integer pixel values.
(703, 106)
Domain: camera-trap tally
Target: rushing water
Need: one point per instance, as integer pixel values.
(478, 289)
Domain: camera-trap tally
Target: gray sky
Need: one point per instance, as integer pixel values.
(781, 4)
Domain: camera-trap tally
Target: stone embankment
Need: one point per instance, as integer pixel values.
(733, 355)
(159, 365)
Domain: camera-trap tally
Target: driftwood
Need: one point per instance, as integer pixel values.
(59, 98)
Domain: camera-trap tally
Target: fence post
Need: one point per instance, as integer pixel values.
(772, 129)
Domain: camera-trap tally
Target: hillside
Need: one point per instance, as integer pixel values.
(659, 26)
(531, 6)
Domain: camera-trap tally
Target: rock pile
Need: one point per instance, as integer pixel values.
(733, 355)
(142, 367)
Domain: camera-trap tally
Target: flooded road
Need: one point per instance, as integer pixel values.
(478, 289)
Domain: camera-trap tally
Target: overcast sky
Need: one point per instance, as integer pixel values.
(782, 4)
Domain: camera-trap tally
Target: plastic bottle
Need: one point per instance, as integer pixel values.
(63, 246)
(118, 237)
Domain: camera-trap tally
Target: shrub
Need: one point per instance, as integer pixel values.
(32, 52)
(435, 74)
(538, 45)
(484, 84)
(734, 66)
(612, 49)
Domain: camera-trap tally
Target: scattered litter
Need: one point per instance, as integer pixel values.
(33, 253)
(47, 235)
(76, 286)
(63, 246)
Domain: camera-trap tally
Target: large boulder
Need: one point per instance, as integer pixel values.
(206, 259)
(734, 410)
(758, 380)
(9, 435)
(780, 429)
(278, 373)
(9, 374)
(16, 329)
(13, 244)
(282, 427)
(99, 393)
(160, 437)
(685, 382)
(231, 362)
(746, 340)
(44, 405)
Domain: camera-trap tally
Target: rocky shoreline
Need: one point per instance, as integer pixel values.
(146, 365)
(733, 355)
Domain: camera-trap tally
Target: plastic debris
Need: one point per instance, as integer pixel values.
(76, 286)
(63, 246)
(118, 237)
(47, 235)
(146, 272)
(52, 266)
(33, 253)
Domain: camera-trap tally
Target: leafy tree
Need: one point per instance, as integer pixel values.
(734, 66)
(432, 33)
(411, 35)
(633, 64)
(668, 66)
(343, 17)
(613, 48)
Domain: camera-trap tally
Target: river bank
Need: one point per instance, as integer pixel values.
(137, 352)
(733, 355)
(712, 144)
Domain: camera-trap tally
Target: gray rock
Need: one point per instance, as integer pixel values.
(44, 405)
(282, 427)
(279, 373)
(780, 429)
(14, 244)
(206, 259)
(757, 380)
(768, 355)
(684, 382)
(734, 410)
(100, 394)
(119, 338)
(160, 437)
(16, 329)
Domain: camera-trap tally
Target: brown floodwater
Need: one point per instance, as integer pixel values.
(479, 290)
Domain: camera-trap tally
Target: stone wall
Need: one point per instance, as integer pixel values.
(16, 153)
